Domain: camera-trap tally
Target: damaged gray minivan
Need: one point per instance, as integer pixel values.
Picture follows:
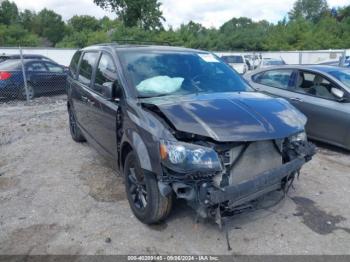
(181, 123)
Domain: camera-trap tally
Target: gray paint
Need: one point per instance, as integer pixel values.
(328, 120)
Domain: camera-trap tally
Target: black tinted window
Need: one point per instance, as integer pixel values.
(73, 68)
(86, 67)
(105, 74)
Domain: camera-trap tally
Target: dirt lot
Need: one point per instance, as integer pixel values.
(60, 197)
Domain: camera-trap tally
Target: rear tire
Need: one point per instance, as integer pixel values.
(31, 92)
(145, 200)
(75, 131)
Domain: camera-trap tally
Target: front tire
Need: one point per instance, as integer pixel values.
(75, 131)
(145, 200)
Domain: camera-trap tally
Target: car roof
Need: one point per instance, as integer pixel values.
(28, 60)
(24, 55)
(135, 47)
(231, 55)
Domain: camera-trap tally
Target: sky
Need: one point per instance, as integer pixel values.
(210, 13)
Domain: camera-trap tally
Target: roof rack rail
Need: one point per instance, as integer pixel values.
(141, 42)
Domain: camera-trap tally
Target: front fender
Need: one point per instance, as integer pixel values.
(145, 148)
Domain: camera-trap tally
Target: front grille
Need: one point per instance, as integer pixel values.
(257, 158)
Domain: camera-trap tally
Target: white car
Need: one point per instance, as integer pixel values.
(237, 62)
(267, 62)
(253, 61)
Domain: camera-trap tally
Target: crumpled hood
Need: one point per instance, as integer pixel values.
(224, 117)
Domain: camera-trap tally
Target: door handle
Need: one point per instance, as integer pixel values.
(86, 100)
(296, 99)
(90, 102)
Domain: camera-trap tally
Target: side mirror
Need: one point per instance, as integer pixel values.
(107, 90)
(112, 90)
(117, 90)
(338, 93)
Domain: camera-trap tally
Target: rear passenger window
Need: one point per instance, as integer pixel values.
(276, 78)
(73, 67)
(106, 73)
(86, 67)
(36, 67)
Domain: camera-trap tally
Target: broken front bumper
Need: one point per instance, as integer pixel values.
(252, 189)
(205, 196)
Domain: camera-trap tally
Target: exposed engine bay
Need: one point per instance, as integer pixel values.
(250, 170)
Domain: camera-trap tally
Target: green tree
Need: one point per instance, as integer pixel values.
(145, 14)
(244, 34)
(84, 22)
(28, 19)
(311, 10)
(8, 12)
(343, 13)
(50, 26)
(16, 35)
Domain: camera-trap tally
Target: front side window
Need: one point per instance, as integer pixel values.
(73, 67)
(314, 84)
(156, 73)
(86, 67)
(275, 78)
(106, 73)
(36, 67)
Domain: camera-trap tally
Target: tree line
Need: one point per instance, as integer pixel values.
(310, 25)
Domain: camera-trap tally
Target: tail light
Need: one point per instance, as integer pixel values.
(5, 75)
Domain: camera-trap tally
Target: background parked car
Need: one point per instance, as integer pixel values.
(340, 63)
(346, 61)
(5, 57)
(42, 77)
(253, 61)
(267, 62)
(237, 62)
(322, 93)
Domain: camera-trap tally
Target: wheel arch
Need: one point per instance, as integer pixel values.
(133, 141)
(126, 148)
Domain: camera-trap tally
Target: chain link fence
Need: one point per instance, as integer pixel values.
(27, 73)
(27, 76)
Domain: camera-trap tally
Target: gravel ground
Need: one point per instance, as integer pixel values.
(60, 197)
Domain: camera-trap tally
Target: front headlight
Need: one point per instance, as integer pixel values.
(183, 157)
(298, 137)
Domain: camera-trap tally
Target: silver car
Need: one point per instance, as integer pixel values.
(322, 93)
